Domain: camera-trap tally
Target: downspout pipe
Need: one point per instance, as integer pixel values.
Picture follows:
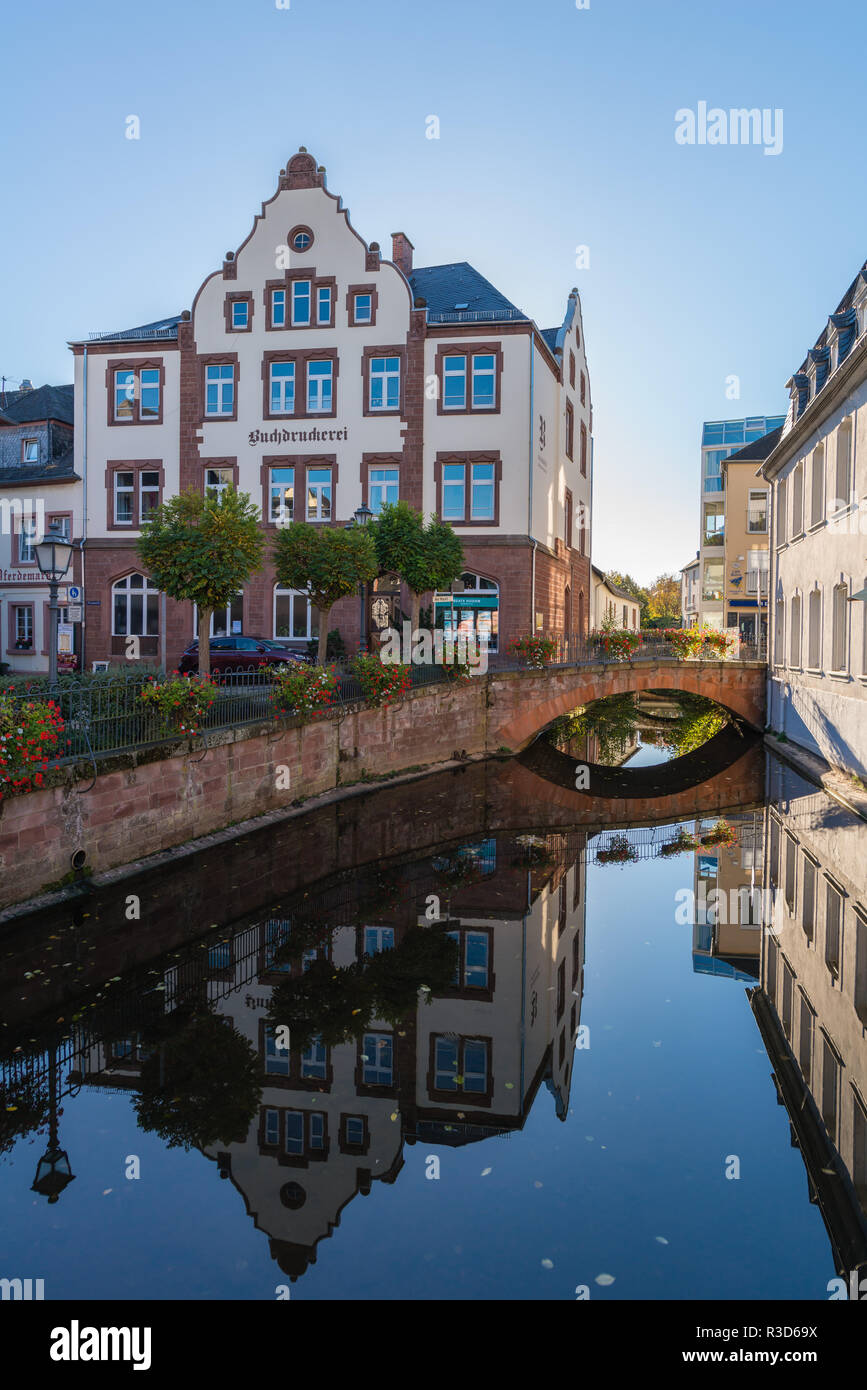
(531, 464)
(84, 512)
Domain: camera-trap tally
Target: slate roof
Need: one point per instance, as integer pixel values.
(160, 328)
(43, 403)
(759, 448)
(550, 336)
(59, 470)
(446, 286)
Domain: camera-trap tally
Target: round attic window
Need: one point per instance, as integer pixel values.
(301, 238)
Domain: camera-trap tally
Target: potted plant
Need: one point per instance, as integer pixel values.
(721, 834)
(619, 851)
(536, 651)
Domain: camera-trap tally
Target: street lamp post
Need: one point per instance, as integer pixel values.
(363, 515)
(53, 554)
(53, 1171)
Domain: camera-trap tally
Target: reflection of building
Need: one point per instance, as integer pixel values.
(467, 1064)
(818, 689)
(813, 1012)
(319, 377)
(727, 926)
(720, 439)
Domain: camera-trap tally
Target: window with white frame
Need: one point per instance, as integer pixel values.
(757, 510)
(217, 481)
(830, 1087)
(27, 534)
(817, 486)
(383, 487)
(454, 383)
(319, 387)
(124, 498)
(240, 314)
(808, 899)
(135, 607)
(219, 389)
(282, 388)
(378, 939)
(795, 631)
(149, 492)
(23, 623)
(484, 381)
(281, 491)
(478, 489)
(814, 627)
(314, 1061)
(276, 1058)
(278, 308)
(780, 632)
(323, 304)
(473, 964)
(319, 494)
(295, 617)
(843, 470)
(833, 929)
(798, 500)
(30, 451)
(301, 292)
(355, 1130)
(384, 383)
(461, 1064)
(225, 622)
(860, 922)
(781, 511)
(378, 1059)
(840, 628)
(272, 1128)
(137, 394)
(363, 308)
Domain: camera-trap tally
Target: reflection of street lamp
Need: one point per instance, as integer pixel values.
(53, 554)
(363, 515)
(53, 1172)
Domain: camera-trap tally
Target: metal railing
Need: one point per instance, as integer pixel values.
(104, 717)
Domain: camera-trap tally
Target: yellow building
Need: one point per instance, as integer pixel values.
(745, 543)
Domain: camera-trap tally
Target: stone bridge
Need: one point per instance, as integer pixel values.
(521, 703)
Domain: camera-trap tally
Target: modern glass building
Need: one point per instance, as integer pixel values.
(719, 439)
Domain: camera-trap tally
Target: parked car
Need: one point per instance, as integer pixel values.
(241, 653)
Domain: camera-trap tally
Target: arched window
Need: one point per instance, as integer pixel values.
(295, 618)
(840, 628)
(135, 607)
(795, 632)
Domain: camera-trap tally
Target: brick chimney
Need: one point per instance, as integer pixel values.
(401, 252)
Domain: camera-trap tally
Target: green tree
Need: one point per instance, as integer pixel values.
(200, 550)
(664, 597)
(426, 557)
(326, 563)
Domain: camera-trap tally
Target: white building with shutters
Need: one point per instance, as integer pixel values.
(818, 476)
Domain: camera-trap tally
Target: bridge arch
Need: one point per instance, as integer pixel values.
(522, 703)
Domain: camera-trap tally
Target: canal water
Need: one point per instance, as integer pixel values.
(592, 1084)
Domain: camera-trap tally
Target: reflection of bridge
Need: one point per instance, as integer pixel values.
(522, 703)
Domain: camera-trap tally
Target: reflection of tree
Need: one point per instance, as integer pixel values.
(614, 719)
(200, 1086)
(337, 1003)
(700, 720)
(23, 1109)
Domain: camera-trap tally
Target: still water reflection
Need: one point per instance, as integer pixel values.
(629, 1055)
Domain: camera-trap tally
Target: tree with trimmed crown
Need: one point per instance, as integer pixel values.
(202, 550)
(427, 557)
(326, 563)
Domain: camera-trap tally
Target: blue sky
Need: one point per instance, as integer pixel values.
(556, 130)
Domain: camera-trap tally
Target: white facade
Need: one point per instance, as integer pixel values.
(818, 472)
(613, 603)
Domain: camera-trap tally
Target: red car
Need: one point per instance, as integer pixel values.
(241, 654)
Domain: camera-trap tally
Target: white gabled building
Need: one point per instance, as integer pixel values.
(818, 476)
(317, 376)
